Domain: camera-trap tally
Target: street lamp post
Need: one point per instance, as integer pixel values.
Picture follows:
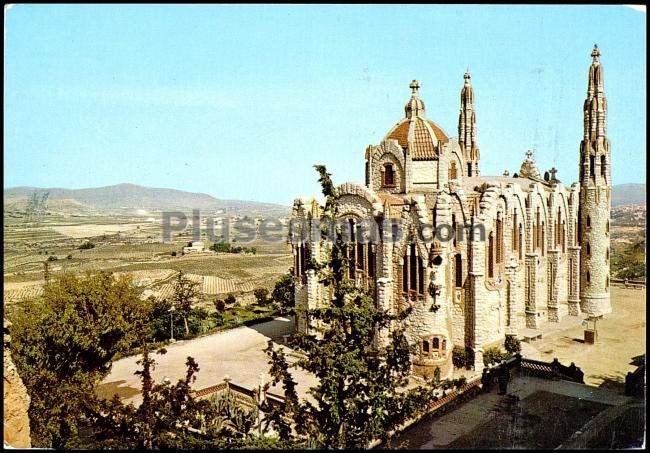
(171, 322)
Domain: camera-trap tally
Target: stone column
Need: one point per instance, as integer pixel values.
(511, 296)
(531, 290)
(573, 273)
(553, 264)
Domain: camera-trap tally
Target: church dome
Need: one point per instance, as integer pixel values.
(420, 135)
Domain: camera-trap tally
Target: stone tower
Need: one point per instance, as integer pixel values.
(467, 127)
(595, 197)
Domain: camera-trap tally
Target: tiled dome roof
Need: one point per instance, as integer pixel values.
(423, 135)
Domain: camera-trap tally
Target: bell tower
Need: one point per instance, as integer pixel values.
(595, 197)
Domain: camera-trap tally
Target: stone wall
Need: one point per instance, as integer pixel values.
(16, 401)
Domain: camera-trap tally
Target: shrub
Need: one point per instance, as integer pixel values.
(219, 305)
(493, 355)
(52, 258)
(221, 247)
(230, 299)
(86, 246)
(283, 293)
(512, 344)
(262, 295)
(462, 357)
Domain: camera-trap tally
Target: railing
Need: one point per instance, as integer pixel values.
(436, 407)
(537, 368)
(624, 281)
(242, 394)
(552, 370)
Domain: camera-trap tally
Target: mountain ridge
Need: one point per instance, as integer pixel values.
(133, 196)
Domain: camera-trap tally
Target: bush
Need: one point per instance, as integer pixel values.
(86, 246)
(219, 305)
(52, 258)
(230, 299)
(512, 344)
(173, 253)
(221, 247)
(462, 357)
(493, 355)
(262, 295)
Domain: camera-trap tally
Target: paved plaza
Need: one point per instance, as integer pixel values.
(236, 353)
(621, 337)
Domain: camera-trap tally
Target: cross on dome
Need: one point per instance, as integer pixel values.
(414, 86)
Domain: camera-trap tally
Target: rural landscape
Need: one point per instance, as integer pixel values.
(126, 237)
(315, 227)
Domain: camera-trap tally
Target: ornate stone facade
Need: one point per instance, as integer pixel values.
(507, 254)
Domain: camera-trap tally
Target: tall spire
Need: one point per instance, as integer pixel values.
(414, 106)
(595, 107)
(467, 127)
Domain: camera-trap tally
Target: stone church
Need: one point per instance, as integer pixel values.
(505, 253)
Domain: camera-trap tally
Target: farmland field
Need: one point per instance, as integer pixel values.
(129, 244)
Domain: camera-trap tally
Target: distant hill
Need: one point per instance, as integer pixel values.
(134, 197)
(626, 194)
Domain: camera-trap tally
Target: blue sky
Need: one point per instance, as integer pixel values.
(240, 101)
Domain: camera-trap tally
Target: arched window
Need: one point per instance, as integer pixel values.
(458, 267)
(436, 343)
(499, 251)
(537, 231)
(361, 256)
(588, 278)
(453, 227)
(521, 242)
(592, 165)
(607, 226)
(515, 236)
(543, 244)
(607, 254)
(444, 345)
(425, 346)
(412, 272)
(588, 249)
(490, 263)
(469, 169)
(603, 165)
(300, 260)
(588, 221)
(452, 171)
(388, 176)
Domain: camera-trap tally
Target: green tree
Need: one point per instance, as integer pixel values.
(356, 395)
(64, 343)
(170, 417)
(283, 293)
(185, 293)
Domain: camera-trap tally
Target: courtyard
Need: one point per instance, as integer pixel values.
(238, 353)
